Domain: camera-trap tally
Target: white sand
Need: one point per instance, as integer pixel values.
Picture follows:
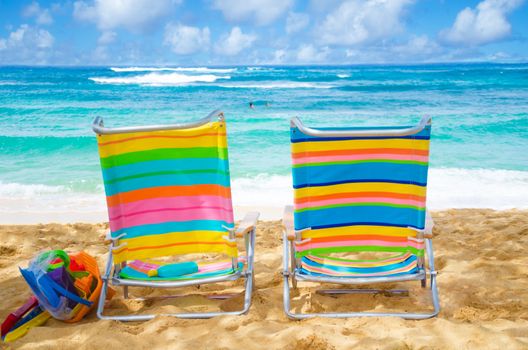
(483, 281)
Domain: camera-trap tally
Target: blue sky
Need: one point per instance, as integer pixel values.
(258, 32)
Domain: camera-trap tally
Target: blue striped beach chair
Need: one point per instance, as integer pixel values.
(359, 191)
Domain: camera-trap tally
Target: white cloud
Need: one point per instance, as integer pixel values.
(185, 40)
(233, 43)
(26, 44)
(44, 39)
(26, 36)
(296, 21)
(261, 11)
(485, 24)
(357, 22)
(417, 47)
(106, 37)
(42, 15)
(135, 15)
(309, 54)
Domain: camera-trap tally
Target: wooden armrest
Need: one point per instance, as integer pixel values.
(429, 224)
(247, 224)
(287, 222)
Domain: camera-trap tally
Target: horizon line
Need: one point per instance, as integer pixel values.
(144, 65)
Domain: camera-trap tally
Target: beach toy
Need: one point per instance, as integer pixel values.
(26, 317)
(53, 259)
(63, 278)
(52, 284)
(94, 278)
(15, 316)
(76, 266)
(65, 287)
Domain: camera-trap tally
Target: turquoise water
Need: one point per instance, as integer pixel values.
(480, 116)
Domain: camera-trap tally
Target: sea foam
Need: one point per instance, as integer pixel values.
(35, 203)
(157, 79)
(447, 188)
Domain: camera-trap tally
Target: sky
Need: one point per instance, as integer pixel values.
(261, 32)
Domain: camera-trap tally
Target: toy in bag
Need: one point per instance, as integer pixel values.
(65, 287)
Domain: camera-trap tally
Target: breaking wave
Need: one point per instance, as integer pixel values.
(157, 79)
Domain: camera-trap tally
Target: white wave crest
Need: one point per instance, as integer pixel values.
(342, 76)
(9, 83)
(157, 79)
(36, 203)
(447, 188)
(477, 188)
(170, 69)
(28, 190)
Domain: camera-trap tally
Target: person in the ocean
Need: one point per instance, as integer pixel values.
(251, 105)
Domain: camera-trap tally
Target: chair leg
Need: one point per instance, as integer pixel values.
(293, 266)
(293, 280)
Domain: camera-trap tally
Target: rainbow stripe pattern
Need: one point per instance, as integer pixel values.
(135, 269)
(168, 192)
(359, 194)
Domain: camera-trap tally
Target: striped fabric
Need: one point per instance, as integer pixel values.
(359, 194)
(136, 270)
(168, 192)
(326, 266)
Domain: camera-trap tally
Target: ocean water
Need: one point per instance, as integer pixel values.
(49, 167)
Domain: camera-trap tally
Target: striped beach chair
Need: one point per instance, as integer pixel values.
(168, 194)
(359, 214)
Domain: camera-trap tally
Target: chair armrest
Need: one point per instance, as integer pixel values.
(247, 224)
(108, 239)
(429, 224)
(287, 222)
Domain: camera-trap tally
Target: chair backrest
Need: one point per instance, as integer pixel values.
(359, 193)
(168, 191)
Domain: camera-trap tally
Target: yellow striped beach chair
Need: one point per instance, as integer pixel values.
(359, 191)
(168, 194)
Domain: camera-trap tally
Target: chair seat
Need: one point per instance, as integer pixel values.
(402, 264)
(133, 271)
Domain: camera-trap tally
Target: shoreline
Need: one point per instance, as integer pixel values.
(447, 188)
(480, 255)
(100, 218)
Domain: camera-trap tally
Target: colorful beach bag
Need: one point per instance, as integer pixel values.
(65, 287)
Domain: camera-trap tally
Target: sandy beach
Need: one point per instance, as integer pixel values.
(167, 121)
(483, 283)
